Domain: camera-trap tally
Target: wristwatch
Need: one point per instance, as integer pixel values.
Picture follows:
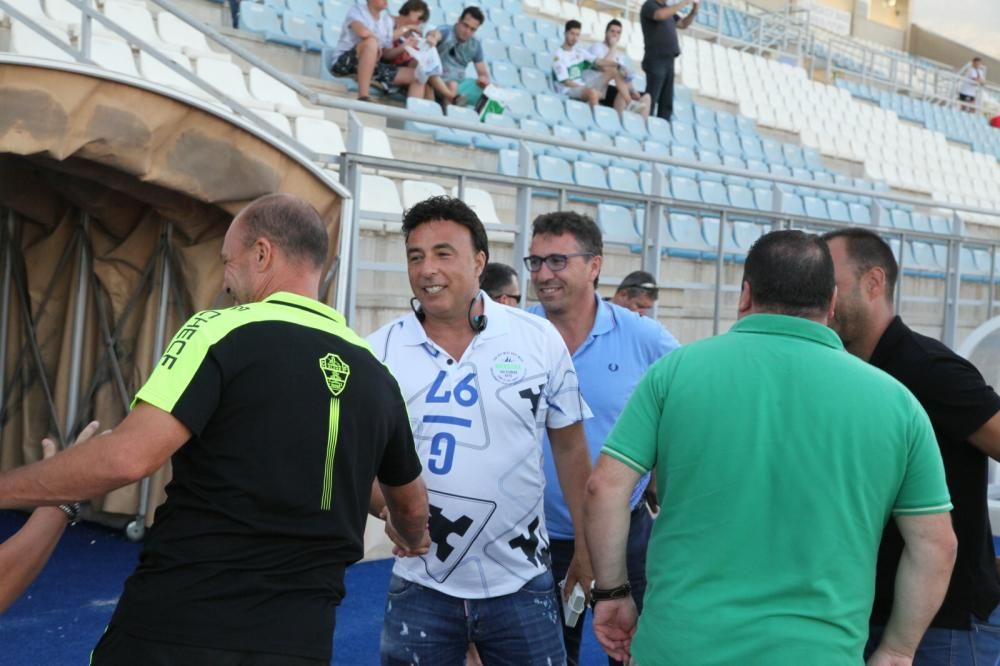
(605, 594)
(72, 512)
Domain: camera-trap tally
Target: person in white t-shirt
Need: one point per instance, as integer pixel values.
(483, 384)
(606, 56)
(972, 77)
(366, 50)
(575, 74)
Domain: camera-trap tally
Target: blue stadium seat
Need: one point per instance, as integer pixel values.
(683, 112)
(510, 36)
(659, 130)
(680, 152)
(508, 161)
(860, 213)
(486, 31)
(520, 105)
(457, 136)
(525, 24)
(336, 10)
(816, 207)
(492, 141)
(627, 143)
(793, 156)
(655, 148)
(813, 159)
(791, 204)
(623, 180)
(713, 193)
(940, 224)
(710, 231)
(740, 196)
(838, 211)
(520, 56)
(726, 122)
(752, 149)
(709, 157)
(684, 134)
(547, 29)
(536, 43)
(746, 126)
(422, 107)
(597, 138)
(550, 108)
(772, 151)
(553, 43)
(921, 222)
(608, 120)
(494, 51)
(258, 18)
(707, 138)
(684, 189)
(579, 115)
(535, 81)
(310, 8)
(616, 225)
(900, 219)
(555, 169)
(704, 116)
(634, 125)
(729, 144)
(567, 134)
(588, 174)
(330, 33)
(686, 236)
(543, 60)
(534, 126)
(505, 74)
(512, 6)
(498, 17)
(764, 198)
(746, 233)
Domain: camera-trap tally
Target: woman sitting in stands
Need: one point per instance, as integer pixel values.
(407, 28)
(366, 49)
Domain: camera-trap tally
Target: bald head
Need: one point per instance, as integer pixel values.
(291, 224)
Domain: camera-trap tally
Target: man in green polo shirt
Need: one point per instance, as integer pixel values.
(780, 458)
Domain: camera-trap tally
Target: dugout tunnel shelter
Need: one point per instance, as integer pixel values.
(115, 196)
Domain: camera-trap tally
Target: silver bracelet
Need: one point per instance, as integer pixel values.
(72, 512)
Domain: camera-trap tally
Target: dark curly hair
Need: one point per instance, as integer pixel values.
(447, 208)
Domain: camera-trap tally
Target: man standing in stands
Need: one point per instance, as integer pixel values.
(659, 32)
(771, 438)
(971, 79)
(607, 57)
(637, 292)
(965, 413)
(575, 74)
(612, 348)
(483, 385)
(277, 418)
(499, 281)
(365, 50)
(458, 46)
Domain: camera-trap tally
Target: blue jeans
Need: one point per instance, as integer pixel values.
(640, 526)
(979, 646)
(423, 626)
(660, 86)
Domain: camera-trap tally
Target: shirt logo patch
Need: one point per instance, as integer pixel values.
(335, 372)
(507, 368)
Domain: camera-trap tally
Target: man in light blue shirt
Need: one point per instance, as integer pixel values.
(611, 348)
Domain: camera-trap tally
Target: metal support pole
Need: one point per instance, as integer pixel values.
(461, 187)
(136, 529)
(993, 272)
(900, 276)
(952, 290)
(522, 216)
(79, 322)
(350, 175)
(8, 240)
(86, 30)
(651, 239)
(719, 266)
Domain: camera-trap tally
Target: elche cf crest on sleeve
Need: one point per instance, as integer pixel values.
(336, 372)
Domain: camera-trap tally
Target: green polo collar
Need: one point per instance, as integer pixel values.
(795, 327)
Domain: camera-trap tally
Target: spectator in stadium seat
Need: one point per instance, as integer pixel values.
(606, 57)
(660, 23)
(637, 292)
(245, 560)
(458, 46)
(499, 281)
(365, 51)
(412, 15)
(578, 78)
(965, 413)
(611, 348)
(770, 437)
(972, 78)
(24, 554)
(483, 384)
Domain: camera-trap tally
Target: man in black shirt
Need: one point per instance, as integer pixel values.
(965, 413)
(659, 32)
(277, 419)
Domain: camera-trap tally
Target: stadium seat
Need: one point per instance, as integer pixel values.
(684, 189)
(740, 196)
(381, 209)
(838, 211)
(258, 18)
(684, 134)
(623, 180)
(25, 41)
(115, 55)
(524, 24)
(510, 36)
(793, 156)
(321, 135)
(704, 117)
(588, 174)
(533, 126)
(710, 232)
(746, 233)
(375, 143)
(136, 19)
(422, 107)
(550, 108)
(554, 169)
(508, 163)
(900, 219)
(687, 239)
(634, 125)
(457, 136)
(520, 56)
(763, 197)
(860, 213)
(579, 115)
(816, 208)
(616, 225)
(310, 8)
(659, 130)
(535, 81)
(630, 145)
(415, 191)
(191, 41)
(608, 120)
(752, 149)
(713, 192)
(772, 151)
(599, 139)
(494, 51)
(228, 78)
(493, 141)
(155, 71)
(791, 204)
(729, 144)
(268, 89)
(566, 134)
(505, 74)
(481, 202)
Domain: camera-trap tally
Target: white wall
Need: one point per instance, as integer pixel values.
(975, 23)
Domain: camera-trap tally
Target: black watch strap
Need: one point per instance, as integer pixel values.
(605, 594)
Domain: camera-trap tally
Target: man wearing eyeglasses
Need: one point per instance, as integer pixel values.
(611, 349)
(637, 292)
(499, 281)
(458, 46)
(483, 384)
